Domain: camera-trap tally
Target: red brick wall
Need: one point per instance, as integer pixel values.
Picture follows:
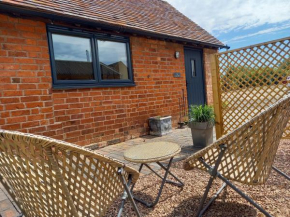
(83, 116)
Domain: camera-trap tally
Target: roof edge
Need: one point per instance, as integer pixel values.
(8, 8)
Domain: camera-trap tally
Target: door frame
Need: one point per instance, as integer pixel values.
(202, 71)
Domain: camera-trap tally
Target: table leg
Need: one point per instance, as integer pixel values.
(164, 180)
(140, 168)
(179, 183)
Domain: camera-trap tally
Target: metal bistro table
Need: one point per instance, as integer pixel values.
(154, 152)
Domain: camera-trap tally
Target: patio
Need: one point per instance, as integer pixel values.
(179, 136)
(177, 202)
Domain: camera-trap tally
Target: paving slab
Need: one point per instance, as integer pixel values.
(180, 136)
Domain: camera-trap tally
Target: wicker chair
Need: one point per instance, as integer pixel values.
(48, 177)
(246, 154)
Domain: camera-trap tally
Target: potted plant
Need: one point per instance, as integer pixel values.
(160, 125)
(201, 122)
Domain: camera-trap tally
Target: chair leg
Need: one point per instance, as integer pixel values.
(212, 200)
(127, 193)
(281, 173)
(213, 173)
(244, 195)
(201, 210)
(124, 197)
(199, 213)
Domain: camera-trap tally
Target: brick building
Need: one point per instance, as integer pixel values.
(95, 71)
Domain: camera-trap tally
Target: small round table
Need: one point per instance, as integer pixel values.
(154, 152)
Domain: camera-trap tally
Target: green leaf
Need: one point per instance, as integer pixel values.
(201, 113)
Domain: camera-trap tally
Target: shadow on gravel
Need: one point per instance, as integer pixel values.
(220, 208)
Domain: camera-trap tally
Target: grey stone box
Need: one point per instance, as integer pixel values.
(159, 125)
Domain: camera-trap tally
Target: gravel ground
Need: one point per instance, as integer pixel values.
(274, 196)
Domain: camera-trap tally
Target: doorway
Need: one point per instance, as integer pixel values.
(195, 82)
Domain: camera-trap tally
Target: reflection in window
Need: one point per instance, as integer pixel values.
(113, 60)
(193, 72)
(73, 57)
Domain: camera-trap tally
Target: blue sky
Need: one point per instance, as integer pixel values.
(239, 23)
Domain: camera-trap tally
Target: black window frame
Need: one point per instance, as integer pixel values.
(94, 37)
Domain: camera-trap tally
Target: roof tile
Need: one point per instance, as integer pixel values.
(154, 16)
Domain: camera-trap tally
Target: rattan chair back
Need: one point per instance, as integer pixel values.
(48, 177)
(251, 148)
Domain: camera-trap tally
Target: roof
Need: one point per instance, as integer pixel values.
(145, 16)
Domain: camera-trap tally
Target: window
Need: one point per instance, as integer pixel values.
(193, 72)
(84, 59)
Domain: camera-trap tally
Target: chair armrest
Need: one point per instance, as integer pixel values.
(134, 173)
(210, 152)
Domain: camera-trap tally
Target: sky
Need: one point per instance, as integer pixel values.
(239, 23)
(71, 48)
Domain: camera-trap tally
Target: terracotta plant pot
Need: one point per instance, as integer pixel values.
(160, 126)
(202, 133)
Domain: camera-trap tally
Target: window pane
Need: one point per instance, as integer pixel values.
(113, 60)
(193, 73)
(73, 57)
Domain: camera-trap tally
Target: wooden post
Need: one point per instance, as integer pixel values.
(216, 95)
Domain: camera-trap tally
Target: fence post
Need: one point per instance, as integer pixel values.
(216, 95)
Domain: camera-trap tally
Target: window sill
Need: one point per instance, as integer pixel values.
(78, 86)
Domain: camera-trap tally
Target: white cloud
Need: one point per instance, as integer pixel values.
(261, 32)
(222, 16)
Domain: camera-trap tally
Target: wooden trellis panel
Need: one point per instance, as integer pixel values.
(249, 79)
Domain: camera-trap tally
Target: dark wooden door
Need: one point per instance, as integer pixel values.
(194, 77)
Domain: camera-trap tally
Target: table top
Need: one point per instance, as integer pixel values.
(152, 152)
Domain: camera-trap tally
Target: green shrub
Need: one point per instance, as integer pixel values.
(201, 113)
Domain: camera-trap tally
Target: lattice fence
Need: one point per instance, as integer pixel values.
(250, 79)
